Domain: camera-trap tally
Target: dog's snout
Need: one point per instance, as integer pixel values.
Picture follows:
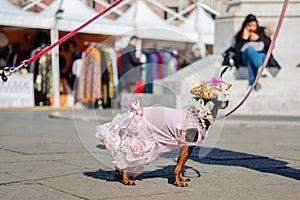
(223, 104)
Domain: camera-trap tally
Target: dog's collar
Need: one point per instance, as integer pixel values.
(201, 119)
(190, 113)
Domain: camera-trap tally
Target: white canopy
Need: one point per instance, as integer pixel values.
(139, 20)
(149, 25)
(11, 15)
(75, 13)
(200, 26)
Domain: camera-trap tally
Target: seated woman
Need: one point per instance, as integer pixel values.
(251, 46)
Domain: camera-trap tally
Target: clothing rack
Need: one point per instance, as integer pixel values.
(99, 76)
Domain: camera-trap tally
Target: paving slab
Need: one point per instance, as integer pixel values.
(31, 190)
(42, 157)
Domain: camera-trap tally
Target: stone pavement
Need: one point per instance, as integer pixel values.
(53, 155)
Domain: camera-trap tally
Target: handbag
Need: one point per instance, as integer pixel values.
(230, 58)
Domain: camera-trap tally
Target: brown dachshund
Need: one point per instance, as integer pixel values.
(141, 135)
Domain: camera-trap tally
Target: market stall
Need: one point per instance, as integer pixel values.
(22, 27)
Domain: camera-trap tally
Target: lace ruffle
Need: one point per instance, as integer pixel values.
(131, 146)
(197, 122)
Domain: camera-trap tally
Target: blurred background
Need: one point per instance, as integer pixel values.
(180, 43)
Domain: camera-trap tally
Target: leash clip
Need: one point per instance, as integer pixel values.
(5, 73)
(8, 71)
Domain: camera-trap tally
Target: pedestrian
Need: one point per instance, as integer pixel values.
(196, 54)
(76, 70)
(251, 46)
(65, 65)
(131, 69)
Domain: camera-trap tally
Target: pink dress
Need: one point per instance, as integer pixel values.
(139, 136)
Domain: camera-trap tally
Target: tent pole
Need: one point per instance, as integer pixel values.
(199, 31)
(55, 66)
(134, 17)
(55, 57)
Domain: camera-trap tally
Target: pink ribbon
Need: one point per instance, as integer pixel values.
(133, 107)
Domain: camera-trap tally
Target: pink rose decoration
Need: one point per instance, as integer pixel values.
(112, 142)
(137, 146)
(135, 124)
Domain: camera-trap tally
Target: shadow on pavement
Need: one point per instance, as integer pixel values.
(214, 156)
(165, 172)
(259, 163)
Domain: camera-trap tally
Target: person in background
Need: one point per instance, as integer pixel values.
(251, 46)
(196, 54)
(76, 70)
(65, 65)
(131, 69)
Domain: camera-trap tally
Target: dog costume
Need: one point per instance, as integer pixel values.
(139, 136)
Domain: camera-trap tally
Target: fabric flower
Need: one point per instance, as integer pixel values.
(112, 142)
(103, 131)
(222, 92)
(202, 108)
(135, 124)
(137, 146)
(116, 128)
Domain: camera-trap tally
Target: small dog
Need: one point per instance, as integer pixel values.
(142, 134)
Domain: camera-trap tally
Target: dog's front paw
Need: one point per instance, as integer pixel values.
(184, 179)
(181, 182)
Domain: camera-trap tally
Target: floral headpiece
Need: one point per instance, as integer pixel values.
(215, 88)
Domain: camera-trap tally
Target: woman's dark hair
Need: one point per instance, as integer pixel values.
(249, 18)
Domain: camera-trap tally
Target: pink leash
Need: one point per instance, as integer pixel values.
(33, 58)
(284, 7)
(7, 71)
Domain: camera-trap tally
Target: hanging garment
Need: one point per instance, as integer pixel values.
(165, 63)
(174, 65)
(159, 65)
(119, 55)
(89, 87)
(148, 79)
(104, 79)
(113, 56)
(43, 79)
(31, 67)
(109, 65)
(153, 65)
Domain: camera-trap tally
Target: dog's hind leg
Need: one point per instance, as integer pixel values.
(122, 176)
(125, 178)
(185, 153)
(118, 174)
